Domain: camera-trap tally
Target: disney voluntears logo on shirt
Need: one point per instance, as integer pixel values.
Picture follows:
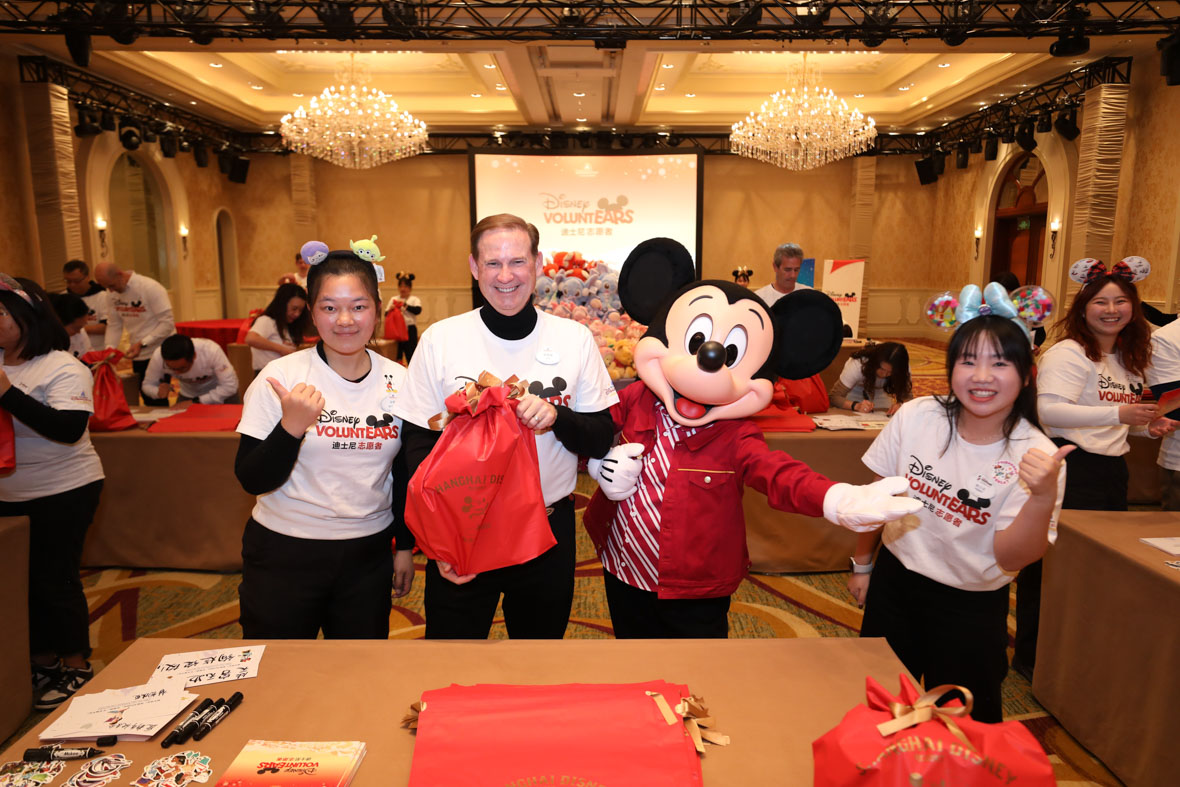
(343, 425)
(933, 492)
(1111, 390)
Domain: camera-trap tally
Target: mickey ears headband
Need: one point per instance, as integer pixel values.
(1131, 269)
(1029, 307)
(402, 276)
(10, 284)
(742, 270)
(314, 252)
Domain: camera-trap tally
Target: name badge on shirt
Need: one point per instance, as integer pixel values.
(548, 356)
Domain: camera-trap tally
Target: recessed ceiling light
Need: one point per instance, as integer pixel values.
(500, 87)
(216, 65)
(669, 65)
(1076, 62)
(690, 95)
(921, 133)
(944, 65)
(858, 95)
(893, 133)
(580, 120)
(579, 95)
(489, 65)
(256, 87)
(476, 95)
(194, 103)
(659, 87)
(297, 95)
(903, 88)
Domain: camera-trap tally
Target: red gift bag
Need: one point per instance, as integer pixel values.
(395, 326)
(809, 395)
(476, 502)
(7, 443)
(609, 734)
(909, 742)
(111, 412)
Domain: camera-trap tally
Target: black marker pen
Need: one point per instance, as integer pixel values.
(46, 754)
(185, 731)
(213, 719)
(192, 718)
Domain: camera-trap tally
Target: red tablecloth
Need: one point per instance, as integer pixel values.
(201, 418)
(224, 332)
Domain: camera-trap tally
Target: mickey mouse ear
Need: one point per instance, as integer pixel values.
(810, 330)
(654, 270)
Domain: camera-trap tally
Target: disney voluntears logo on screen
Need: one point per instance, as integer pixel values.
(562, 209)
(1111, 390)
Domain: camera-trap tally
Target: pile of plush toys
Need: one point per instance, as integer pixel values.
(588, 291)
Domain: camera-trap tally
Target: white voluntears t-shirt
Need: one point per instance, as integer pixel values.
(265, 327)
(341, 486)
(559, 359)
(45, 467)
(969, 492)
(98, 304)
(211, 378)
(144, 310)
(79, 344)
(851, 377)
(1096, 391)
(1165, 368)
(769, 294)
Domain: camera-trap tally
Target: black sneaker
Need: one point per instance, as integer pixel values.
(72, 679)
(45, 675)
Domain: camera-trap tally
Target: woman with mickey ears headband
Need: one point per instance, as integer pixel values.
(57, 482)
(741, 276)
(319, 441)
(1089, 391)
(411, 308)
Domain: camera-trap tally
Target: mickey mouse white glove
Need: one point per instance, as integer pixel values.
(865, 508)
(617, 473)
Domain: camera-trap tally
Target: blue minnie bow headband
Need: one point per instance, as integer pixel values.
(992, 300)
(1029, 306)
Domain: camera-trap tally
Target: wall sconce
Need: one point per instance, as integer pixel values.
(100, 224)
(184, 239)
(1054, 227)
(978, 236)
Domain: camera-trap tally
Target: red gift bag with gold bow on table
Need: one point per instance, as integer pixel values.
(476, 501)
(909, 741)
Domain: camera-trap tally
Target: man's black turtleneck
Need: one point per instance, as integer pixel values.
(584, 434)
(510, 327)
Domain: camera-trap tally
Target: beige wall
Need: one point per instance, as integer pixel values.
(21, 256)
(1146, 223)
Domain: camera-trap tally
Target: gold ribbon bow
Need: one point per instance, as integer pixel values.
(469, 397)
(924, 709)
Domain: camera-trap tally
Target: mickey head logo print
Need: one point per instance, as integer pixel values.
(385, 419)
(552, 393)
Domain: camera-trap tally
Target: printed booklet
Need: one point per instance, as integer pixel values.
(294, 764)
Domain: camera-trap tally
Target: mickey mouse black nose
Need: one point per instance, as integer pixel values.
(711, 356)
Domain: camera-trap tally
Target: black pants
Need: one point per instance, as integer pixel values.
(406, 349)
(538, 595)
(59, 621)
(642, 614)
(294, 587)
(140, 368)
(941, 634)
(1093, 482)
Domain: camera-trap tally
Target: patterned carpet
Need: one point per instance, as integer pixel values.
(126, 604)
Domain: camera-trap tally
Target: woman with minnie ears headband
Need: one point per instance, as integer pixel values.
(56, 484)
(741, 276)
(1089, 391)
(319, 442)
(411, 309)
(991, 484)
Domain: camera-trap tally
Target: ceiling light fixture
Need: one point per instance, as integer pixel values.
(668, 65)
(803, 126)
(216, 65)
(353, 126)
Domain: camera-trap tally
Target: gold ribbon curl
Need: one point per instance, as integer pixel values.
(924, 709)
(471, 394)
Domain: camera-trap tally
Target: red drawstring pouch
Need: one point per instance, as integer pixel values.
(809, 395)
(7, 443)
(476, 501)
(111, 411)
(606, 734)
(395, 326)
(783, 413)
(907, 741)
(246, 325)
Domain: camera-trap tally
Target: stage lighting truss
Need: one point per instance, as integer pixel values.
(613, 21)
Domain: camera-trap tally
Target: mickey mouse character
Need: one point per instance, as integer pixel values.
(667, 519)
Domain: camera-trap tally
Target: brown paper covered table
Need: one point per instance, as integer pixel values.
(169, 501)
(773, 697)
(1109, 638)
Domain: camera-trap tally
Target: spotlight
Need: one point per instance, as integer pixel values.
(812, 15)
(130, 134)
(399, 16)
(1008, 135)
(675, 140)
(87, 125)
(184, 146)
(571, 17)
(975, 146)
(744, 15)
(925, 169)
(603, 140)
(268, 15)
(201, 153)
(586, 140)
(337, 18)
(112, 16)
(168, 144)
(650, 141)
(515, 139)
(1044, 123)
(626, 141)
(1170, 59)
(239, 168)
(107, 120)
(225, 159)
(76, 24)
(610, 42)
(1072, 41)
(960, 16)
(991, 148)
(1067, 124)
(878, 16)
(201, 36)
(149, 133)
(1031, 13)
(961, 156)
(1024, 135)
(939, 162)
(558, 140)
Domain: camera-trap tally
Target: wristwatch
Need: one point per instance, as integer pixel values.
(858, 568)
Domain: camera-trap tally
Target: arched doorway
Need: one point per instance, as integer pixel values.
(1018, 234)
(138, 220)
(227, 264)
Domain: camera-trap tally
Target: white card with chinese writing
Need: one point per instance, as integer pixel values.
(132, 713)
(202, 667)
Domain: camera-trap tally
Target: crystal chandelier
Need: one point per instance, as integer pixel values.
(352, 125)
(803, 126)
